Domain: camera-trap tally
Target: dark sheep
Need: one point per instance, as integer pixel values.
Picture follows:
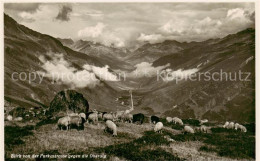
(155, 119)
(138, 118)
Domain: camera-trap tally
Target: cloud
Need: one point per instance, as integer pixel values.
(235, 20)
(146, 69)
(27, 16)
(27, 7)
(100, 33)
(61, 71)
(125, 23)
(153, 38)
(92, 31)
(64, 13)
(101, 72)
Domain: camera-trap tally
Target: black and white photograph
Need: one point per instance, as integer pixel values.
(129, 81)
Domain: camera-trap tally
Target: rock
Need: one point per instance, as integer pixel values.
(68, 101)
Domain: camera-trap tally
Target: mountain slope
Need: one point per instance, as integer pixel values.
(150, 52)
(23, 49)
(107, 55)
(218, 100)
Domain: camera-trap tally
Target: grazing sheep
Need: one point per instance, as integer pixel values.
(100, 115)
(64, 121)
(204, 129)
(9, 118)
(226, 124)
(73, 114)
(158, 127)
(93, 117)
(111, 127)
(236, 125)
(138, 118)
(155, 119)
(231, 125)
(169, 119)
(18, 119)
(177, 120)
(118, 115)
(83, 115)
(203, 121)
(127, 118)
(188, 129)
(242, 128)
(76, 121)
(108, 116)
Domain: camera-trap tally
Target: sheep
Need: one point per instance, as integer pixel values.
(9, 118)
(169, 119)
(18, 119)
(64, 121)
(128, 118)
(231, 125)
(93, 117)
(100, 115)
(83, 115)
(158, 127)
(177, 120)
(108, 116)
(188, 129)
(76, 121)
(226, 124)
(236, 125)
(138, 118)
(242, 128)
(155, 119)
(203, 129)
(111, 127)
(203, 121)
(118, 115)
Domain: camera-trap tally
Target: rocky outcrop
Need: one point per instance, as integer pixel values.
(68, 101)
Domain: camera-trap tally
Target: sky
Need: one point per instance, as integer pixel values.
(130, 24)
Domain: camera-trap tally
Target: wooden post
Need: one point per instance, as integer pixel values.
(131, 99)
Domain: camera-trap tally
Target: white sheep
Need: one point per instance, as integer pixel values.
(203, 121)
(226, 124)
(242, 128)
(118, 115)
(18, 119)
(76, 120)
(108, 116)
(111, 126)
(64, 121)
(231, 125)
(83, 115)
(188, 129)
(127, 117)
(9, 118)
(236, 125)
(93, 117)
(169, 119)
(100, 115)
(176, 120)
(158, 127)
(204, 129)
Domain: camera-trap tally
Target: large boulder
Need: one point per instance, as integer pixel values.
(68, 101)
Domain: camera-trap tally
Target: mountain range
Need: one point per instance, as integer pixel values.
(24, 50)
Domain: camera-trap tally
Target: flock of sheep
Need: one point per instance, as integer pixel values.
(111, 118)
(236, 126)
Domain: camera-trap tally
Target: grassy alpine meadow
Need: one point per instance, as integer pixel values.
(133, 142)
